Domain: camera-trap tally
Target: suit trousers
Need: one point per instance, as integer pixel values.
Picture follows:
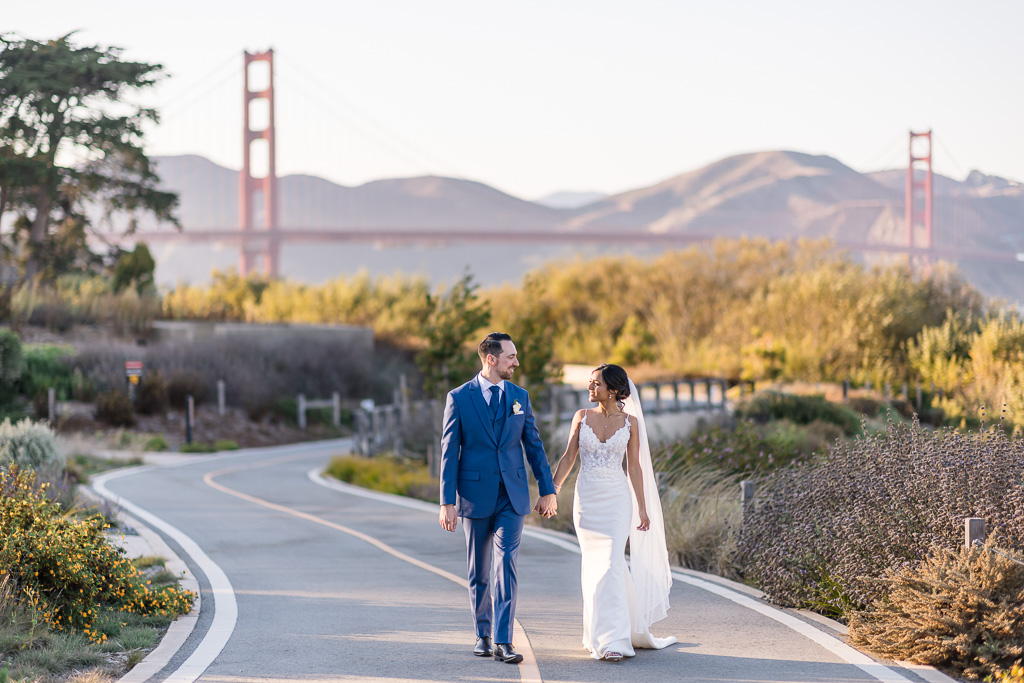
(492, 545)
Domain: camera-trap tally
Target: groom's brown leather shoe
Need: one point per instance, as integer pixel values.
(503, 652)
(483, 646)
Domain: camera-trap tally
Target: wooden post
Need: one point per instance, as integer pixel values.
(190, 417)
(675, 397)
(724, 386)
(746, 495)
(403, 388)
(336, 401)
(554, 408)
(693, 394)
(888, 392)
(51, 405)
(707, 388)
(301, 411)
(846, 389)
(974, 531)
(746, 491)
(919, 400)
(905, 394)
(221, 396)
(657, 398)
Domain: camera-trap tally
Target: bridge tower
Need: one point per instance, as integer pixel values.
(267, 246)
(915, 217)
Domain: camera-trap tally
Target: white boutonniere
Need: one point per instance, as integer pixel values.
(517, 409)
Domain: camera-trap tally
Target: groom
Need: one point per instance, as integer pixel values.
(488, 425)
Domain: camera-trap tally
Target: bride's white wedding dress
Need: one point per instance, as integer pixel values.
(614, 619)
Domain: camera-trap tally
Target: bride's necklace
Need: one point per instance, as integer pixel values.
(606, 417)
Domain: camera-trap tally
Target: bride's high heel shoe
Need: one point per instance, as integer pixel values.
(612, 657)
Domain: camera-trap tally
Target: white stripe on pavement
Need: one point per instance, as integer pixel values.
(225, 607)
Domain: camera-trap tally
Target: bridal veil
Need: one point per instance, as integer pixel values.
(649, 565)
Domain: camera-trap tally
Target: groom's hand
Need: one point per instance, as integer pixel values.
(448, 518)
(547, 506)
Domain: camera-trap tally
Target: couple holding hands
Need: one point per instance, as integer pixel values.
(488, 426)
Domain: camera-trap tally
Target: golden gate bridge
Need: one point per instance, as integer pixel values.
(259, 234)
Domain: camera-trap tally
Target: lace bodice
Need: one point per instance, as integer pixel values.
(602, 460)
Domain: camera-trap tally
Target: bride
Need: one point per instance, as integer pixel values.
(619, 603)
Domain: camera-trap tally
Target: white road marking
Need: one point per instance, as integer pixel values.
(225, 607)
(840, 649)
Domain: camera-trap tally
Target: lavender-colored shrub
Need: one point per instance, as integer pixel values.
(821, 535)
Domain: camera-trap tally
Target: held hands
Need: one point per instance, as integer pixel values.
(448, 519)
(645, 522)
(547, 506)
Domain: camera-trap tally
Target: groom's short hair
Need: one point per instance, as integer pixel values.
(491, 345)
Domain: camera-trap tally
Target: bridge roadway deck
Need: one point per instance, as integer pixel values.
(509, 236)
(316, 604)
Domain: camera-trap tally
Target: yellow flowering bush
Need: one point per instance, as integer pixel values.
(65, 567)
(1015, 674)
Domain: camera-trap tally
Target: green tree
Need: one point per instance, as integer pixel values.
(69, 141)
(455, 316)
(134, 268)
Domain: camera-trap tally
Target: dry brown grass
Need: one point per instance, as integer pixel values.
(702, 515)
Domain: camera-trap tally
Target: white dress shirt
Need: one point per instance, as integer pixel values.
(485, 386)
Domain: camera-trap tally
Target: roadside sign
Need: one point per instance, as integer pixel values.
(133, 370)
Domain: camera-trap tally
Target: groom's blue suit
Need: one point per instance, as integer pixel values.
(484, 476)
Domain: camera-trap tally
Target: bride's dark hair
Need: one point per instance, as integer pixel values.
(616, 379)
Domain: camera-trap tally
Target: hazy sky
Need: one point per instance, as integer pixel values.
(534, 97)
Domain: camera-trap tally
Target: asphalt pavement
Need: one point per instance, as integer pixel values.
(320, 583)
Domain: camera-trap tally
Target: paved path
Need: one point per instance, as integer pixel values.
(332, 585)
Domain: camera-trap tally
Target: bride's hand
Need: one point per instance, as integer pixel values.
(645, 522)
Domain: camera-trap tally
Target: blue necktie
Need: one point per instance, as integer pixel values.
(495, 400)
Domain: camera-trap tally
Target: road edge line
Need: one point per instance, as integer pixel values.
(225, 613)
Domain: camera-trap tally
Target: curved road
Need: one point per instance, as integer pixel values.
(337, 584)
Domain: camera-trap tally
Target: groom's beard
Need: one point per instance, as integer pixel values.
(507, 374)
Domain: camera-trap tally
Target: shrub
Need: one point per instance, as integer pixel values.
(961, 609)
(115, 409)
(742, 446)
(182, 385)
(225, 445)
(388, 474)
(864, 405)
(1015, 674)
(823, 533)
(46, 366)
(196, 447)
(65, 567)
(11, 365)
(152, 395)
(802, 410)
(157, 443)
(29, 444)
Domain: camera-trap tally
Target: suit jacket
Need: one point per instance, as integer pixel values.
(474, 458)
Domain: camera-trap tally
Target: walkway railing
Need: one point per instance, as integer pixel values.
(666, 396)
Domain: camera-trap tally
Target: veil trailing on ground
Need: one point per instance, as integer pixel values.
(649, 566)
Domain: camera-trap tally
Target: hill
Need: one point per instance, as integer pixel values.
(775, 194)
